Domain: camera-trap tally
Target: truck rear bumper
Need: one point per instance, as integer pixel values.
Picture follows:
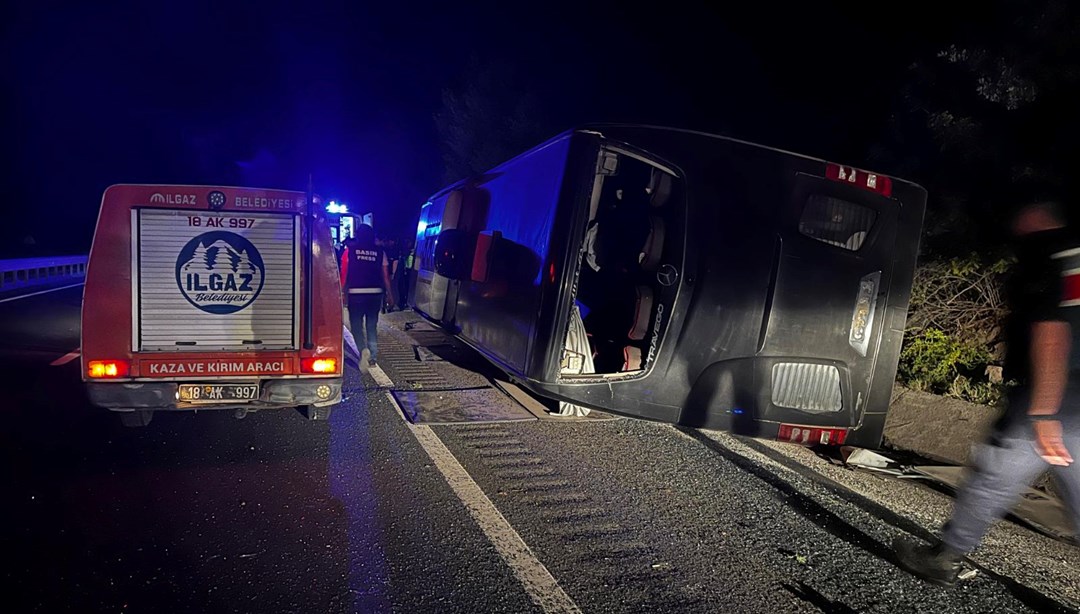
(131, 396)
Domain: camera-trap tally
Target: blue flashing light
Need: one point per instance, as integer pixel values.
(738, 412)
(336, 207)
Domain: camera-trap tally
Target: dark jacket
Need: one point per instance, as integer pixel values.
(1044, 287)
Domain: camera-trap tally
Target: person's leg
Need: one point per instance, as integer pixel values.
(356, 319)
(371, 321)
(1002, 471)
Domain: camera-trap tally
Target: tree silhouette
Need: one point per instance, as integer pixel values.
(488, 118)
(198, 256)
(985, 114)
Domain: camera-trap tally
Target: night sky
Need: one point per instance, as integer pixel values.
(264, 93)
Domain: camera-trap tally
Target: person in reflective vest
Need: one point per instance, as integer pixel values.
(365, 280)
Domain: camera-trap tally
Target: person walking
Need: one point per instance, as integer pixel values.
(1041, 427)
(365, 279)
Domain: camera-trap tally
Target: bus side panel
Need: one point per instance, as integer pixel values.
(722, 286)
(500, 314)
(429, 294)
(565, 254)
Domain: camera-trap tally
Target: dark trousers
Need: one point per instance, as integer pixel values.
(364, 320)
(1002, 470)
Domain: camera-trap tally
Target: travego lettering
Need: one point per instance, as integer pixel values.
(655, 341)
(263, 202)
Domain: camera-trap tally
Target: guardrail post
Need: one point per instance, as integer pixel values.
(28, 272)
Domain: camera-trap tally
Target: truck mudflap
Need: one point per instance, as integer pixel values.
(131, 396)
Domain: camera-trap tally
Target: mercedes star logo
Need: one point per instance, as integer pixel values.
(667, 275)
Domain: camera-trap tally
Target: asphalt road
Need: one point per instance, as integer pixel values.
(206, 513)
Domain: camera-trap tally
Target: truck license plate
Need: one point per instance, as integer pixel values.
(218, 393)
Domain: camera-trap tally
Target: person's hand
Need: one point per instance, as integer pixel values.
(1049, 444)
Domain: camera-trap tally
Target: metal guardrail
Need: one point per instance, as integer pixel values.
(26, 272)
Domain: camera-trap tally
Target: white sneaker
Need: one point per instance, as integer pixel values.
(365, 360)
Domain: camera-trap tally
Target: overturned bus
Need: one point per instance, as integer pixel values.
(682, 277)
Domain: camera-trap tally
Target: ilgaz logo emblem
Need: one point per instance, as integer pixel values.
(219, 272)
(216, 200)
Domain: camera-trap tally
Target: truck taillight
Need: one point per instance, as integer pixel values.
(318, 365)
(860, 179)
(105, 369)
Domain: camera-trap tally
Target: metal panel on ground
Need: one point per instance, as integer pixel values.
(206, 281)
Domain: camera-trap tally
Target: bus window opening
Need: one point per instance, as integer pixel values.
(836, 222)
(618, 292)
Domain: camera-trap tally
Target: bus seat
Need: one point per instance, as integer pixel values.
(632, 359)
(855, 241)
(642, 313)
(654, 245)
(615, 243)
(660, 184)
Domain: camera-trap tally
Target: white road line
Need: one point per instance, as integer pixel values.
(539, 584)
(15, 298)
(66, 358)
(381, 378)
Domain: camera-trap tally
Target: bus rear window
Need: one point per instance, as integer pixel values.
(836, 222)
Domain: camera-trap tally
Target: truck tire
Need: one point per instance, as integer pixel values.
(137, 418)
(315, 413)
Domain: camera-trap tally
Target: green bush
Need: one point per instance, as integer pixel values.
(932, 360)
(954, 328)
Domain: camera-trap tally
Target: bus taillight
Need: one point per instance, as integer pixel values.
(862, 319)
(861, 179)
(812, 435)
(106, 369)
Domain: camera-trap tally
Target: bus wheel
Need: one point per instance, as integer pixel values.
(139, 417)
(315, 413)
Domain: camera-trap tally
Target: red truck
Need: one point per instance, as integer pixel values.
(201, 297)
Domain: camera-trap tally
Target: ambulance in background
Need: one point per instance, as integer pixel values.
(211, 298)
